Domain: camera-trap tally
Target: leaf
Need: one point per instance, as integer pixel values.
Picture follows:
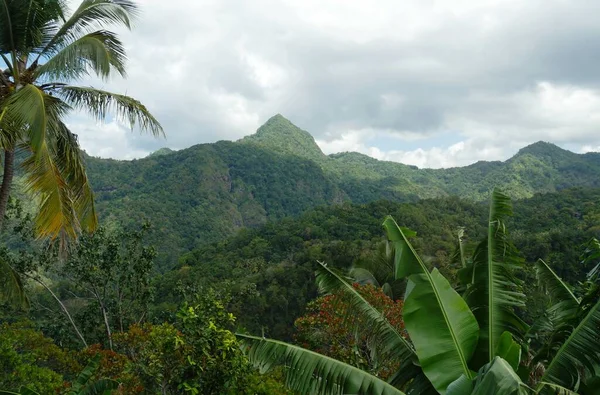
(99, 103)
(91, 14)
(308, 372)
(498, 378)
(557, 323)
(558, 290)
(578, 354)
(440, 324)
(461, 386)
(100, 51)
(553, 389)
(509, 350)
(82, 379)
(381, 333)
(11, 287)
(495, 291)
(442, 328)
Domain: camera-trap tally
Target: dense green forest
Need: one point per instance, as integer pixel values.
(264, 277)
(205, 193)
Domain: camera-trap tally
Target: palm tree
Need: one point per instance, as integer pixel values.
(474, 343)
(44, 49)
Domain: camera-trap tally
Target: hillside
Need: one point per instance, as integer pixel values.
(207, 192)
(270, 270)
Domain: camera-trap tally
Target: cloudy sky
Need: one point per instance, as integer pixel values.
(424, 82)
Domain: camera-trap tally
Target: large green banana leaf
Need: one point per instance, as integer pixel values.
(495, 291)
(495, 378)
(308, 372)
(441, 326)
(579, 355)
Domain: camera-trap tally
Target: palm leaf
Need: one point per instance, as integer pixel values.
(70, 163)
(27, 25)
(92, 14)
(308, 372)
(556, 325)
(56, 215)
(495, 290)
(27, 112)
(12, 290)
(433, 310)
(580, 352)
(99, 103)
(556, 288)
(100, 51)
(382, 334)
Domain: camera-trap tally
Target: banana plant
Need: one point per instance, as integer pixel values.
(469, 344)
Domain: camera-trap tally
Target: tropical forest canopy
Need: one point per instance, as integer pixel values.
(206, 193)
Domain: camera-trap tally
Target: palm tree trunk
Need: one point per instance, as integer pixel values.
(7, 178)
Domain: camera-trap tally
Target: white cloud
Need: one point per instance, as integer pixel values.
(495, 74)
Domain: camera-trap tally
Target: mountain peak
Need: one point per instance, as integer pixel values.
(544, 149)
(281, 135)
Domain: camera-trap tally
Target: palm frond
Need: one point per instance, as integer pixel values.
(100, 51)
(308, 372)
(556, 288)
(56, 215)
(495, 290)
(579, 353)
(27, 114)
(99, 103)
(27, 25)
(92, 15)
(12, 290)
(556, 324)
(70, 163)
(388, 341)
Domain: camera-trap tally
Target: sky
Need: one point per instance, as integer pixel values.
(423, 82)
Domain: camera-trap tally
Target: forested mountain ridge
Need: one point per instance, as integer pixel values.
(206, 192)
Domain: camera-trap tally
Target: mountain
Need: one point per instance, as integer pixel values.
(205, 193)
(282, 136)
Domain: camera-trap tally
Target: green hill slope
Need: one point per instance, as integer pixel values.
(270, 270)
(207, 192)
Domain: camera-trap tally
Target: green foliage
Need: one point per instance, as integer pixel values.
(444, 329)
(28, 358)
(329, 329)
(207, 192)
(271, 268)
(45, 49)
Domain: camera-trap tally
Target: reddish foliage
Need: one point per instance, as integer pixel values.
(330, 328)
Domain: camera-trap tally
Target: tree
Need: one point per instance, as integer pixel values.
(44, 49)
(326, 329)
(473, 343)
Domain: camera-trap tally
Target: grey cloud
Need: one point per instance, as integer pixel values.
(190, 69)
